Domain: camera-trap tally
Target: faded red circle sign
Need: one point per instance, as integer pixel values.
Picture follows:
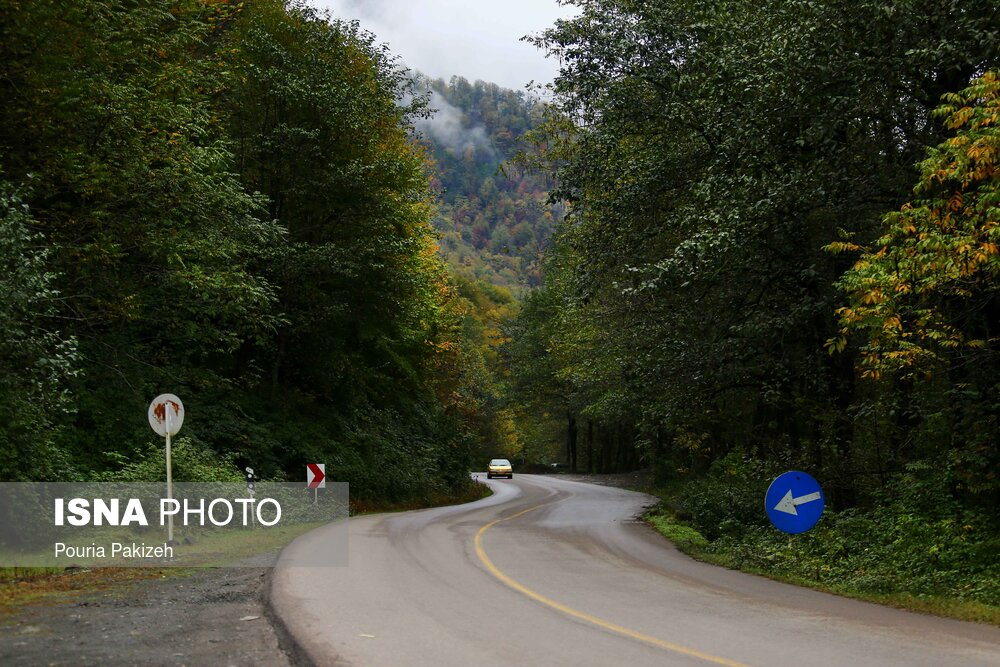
(166, 414)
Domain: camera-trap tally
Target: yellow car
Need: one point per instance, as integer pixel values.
(499, 468)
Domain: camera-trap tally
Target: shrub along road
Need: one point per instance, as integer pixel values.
(550, 571)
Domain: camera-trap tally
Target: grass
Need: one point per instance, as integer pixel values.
(476, 491)
(25, 586)
(22, 586)
(694, 544)
(197, 547)
(679, 534)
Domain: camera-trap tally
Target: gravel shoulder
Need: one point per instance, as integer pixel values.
(208, 617)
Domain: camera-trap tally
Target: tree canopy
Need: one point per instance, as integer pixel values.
(223, 201)
(709, 153)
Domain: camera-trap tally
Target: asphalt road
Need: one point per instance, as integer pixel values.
(554, 572)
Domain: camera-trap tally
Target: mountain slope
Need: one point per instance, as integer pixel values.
(494, 220)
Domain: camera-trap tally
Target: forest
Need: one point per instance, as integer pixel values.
(736, 238)
(228, 202)
(780, 252)
(495, 217)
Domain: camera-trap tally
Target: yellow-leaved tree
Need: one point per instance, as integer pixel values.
(926, 295)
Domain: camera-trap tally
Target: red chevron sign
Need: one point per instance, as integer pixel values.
(316, 475)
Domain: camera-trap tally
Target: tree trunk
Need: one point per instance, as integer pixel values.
(590, 446)
(606, 442)
(616, 461)
(571, 441)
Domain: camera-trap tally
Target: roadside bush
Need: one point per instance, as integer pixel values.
(729, 500)
(190, 459)
(916, 540)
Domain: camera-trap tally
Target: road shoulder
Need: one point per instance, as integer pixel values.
(206, 617)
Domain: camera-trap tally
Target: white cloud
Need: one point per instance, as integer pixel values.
(477, 39)
(446, 128)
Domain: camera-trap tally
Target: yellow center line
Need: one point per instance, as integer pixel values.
(583, 616)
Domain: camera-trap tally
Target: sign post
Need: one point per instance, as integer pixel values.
(251, 489)
(316, 478)
(166, 416)
(794, 502)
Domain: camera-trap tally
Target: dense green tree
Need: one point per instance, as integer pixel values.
(314, 116)
(924, 298)
(711, 150)
(36, 359)
(471, 378)
(108, 111)
(230, 205)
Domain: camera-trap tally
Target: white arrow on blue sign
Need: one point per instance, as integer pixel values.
(794, 502)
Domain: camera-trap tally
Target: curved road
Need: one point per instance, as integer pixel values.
(553, 572)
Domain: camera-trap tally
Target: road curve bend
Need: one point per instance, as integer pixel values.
(554, 572)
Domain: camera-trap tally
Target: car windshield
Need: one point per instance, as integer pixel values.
(499, 462)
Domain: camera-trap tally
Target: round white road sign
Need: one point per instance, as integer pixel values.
(166, 414)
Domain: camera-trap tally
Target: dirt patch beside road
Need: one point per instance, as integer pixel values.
(208, 617)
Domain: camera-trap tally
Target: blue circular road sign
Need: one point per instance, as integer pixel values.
(794, 502)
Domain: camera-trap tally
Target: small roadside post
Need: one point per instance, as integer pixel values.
(251, 489)
(315, 479)
(166, 416)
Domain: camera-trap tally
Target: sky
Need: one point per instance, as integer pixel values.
(477, 39)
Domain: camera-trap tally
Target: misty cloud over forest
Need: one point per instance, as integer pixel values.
(447, 127)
